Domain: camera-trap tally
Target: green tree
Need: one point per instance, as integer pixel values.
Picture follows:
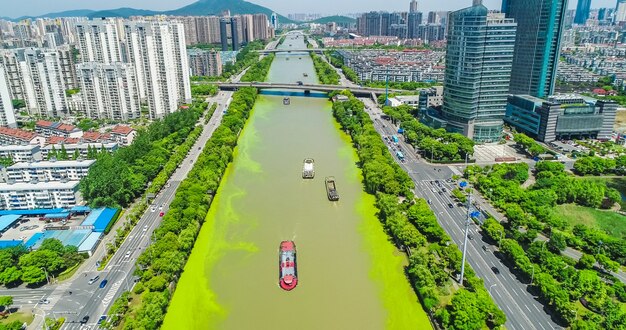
(6, 301)
(586, 261)
(62, 155)
(18, 104)
(557, 242)
(11, 276)
(33, 275)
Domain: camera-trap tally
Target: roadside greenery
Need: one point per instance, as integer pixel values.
(434, 259)
(6, 161)
(337, 61)
(258, 72)
(117, 179)
(529, 144)
(162, 262)
(594, 165)
(433, 144)
(18, 265)
(560, 284)
(204, 90)
(325, 72)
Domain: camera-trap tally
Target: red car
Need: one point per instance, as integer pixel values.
(161, 214)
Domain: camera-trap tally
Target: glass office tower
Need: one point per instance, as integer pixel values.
(537, 45)
(479, 58)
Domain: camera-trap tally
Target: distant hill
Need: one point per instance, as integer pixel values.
(336, 19)
(215, 7)
(202, 7)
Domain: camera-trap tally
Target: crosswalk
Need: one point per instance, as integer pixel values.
(112, 291)
(57, 294)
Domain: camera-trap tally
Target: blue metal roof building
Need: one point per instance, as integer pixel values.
(80, 209)
(68, 237)
(90, 243)
(31, 212)
(100, 218)
(63, 215)
(33, 240)
(9, 243)
(7, 220)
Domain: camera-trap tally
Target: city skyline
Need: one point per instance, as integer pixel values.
(26, 8)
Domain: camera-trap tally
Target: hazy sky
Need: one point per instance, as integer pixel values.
(12, 8)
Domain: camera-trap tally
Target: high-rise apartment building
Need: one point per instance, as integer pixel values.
(620, 11)
(7, 114)
(225, 32)
(274, 21)
(98, 41)
(537, 45)
(582, 12)
(247, 28)
(204, 62)
(479, 58)
(158, 52)
(261, 26)
(109, 91)
(35, 76)
(413, 6)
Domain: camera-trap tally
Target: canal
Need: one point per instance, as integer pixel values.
(350, 276)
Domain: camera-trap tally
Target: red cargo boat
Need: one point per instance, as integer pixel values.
(287, 265)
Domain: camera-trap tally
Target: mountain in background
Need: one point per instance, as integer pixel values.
(202, 7)
(336, 19)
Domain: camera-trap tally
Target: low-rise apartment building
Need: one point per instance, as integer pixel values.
(24, 196)
(21, 153)
(68, 170)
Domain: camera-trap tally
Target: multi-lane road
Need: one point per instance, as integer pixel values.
(76, 298)
(522, 309)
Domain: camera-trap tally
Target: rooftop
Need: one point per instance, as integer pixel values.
(27, 186)
(18, 133)
(122, 129)
(55, 164)
(18, 147)
(56, 126)
(8, 220)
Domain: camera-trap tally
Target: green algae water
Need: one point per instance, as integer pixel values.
(350, 276)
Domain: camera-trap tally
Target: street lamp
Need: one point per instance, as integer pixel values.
(491, 287)
(45, 272)
(45, 326)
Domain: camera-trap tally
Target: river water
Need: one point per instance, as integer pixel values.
(350, 276)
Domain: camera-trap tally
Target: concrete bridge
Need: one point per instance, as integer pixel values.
(307, 88)
(294, 50)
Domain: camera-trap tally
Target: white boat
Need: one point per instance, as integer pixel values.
(308, 168)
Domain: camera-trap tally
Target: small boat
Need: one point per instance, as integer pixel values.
(308, 170)
(286, 101)
(305, 74)
(287, 267)
(331, 189)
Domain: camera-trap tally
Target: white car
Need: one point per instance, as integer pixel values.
(145, 228)
(44, 301)
(128, 254)
(152, 209)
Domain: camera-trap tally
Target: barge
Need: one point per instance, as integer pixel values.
(331, 189)
(308, 168)
(288, 271)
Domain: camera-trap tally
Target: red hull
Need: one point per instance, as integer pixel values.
(287, 267)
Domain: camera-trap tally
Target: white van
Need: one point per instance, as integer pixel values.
(94, 279)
